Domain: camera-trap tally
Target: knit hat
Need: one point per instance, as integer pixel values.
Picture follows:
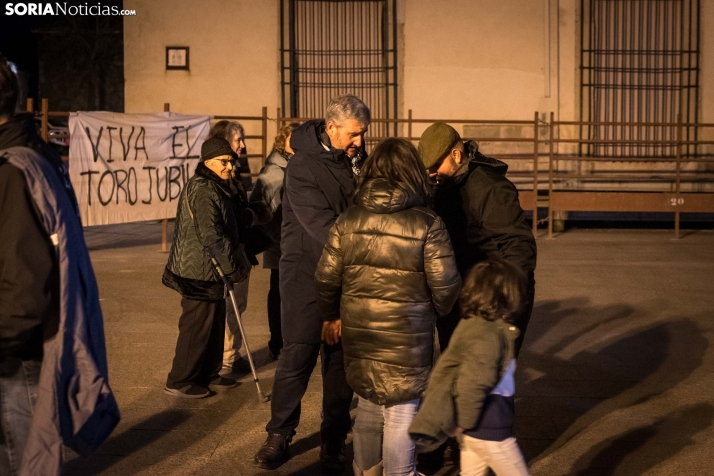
(215, 147)
(437, 140)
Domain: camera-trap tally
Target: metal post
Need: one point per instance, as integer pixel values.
(678, 183)
(409, 125)
(30, 105)
(165, 221)
(550, 178)
(265, 132)
(535, 175)
(45, 116)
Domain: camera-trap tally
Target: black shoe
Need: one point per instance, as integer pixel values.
(273, 356)
(224, 382)
(332, 456)
(274, 452)
(189, 391)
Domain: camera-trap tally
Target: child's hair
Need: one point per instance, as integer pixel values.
(492, 290)
(397, 161)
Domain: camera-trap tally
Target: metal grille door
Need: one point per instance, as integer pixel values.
(640, 64)
(333, 47)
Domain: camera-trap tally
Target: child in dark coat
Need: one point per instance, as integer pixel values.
(470, 392)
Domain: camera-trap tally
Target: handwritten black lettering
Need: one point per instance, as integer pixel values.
(95, 146)
(120, 183)
(99, 188)
(136, 186)
(149, 169)
(89, 174)
(141, 135)
(166, 185)
(111, 140)
(189, 146)
(174, 181)
(125, 148)
(174, 144)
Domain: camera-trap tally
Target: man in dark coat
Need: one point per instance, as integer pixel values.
(319, 183)
(29, 279)
(482, 213)
(53, 371)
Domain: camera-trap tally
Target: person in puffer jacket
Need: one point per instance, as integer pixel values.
(471, 390)
(385, 275)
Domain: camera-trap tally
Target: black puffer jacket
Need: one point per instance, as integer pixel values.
(387, 271)
(206, 225)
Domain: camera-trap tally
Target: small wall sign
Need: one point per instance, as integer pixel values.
(177, 57)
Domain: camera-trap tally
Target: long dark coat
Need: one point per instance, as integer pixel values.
(319, 185)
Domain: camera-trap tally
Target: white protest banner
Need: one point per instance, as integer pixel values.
(132, 167)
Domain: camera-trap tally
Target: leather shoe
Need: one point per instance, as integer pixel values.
(332, 456)
(274, 452)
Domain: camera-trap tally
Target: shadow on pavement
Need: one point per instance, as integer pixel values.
(646, 443)
(125, 443)
(620, 367)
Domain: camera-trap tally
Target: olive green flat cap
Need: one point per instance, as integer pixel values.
(437, 140)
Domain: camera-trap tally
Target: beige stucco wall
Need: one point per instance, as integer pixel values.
(467, 59)
(234, 58)
(486, 59)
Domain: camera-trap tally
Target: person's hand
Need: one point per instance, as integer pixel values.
(332, 331)
(458, 431)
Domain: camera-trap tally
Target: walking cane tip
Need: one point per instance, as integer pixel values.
(264, 398)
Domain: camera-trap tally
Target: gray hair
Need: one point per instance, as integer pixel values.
(347, 106)
(225, 130)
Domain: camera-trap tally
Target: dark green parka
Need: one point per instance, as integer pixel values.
(206, 225)
(387, 271)
(464, 376)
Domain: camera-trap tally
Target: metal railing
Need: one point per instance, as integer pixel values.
(545, 163)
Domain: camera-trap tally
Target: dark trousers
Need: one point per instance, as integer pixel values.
(274, 323)
(296, 363)
(199, 348)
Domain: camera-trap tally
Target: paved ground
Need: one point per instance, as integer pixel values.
(615, 377)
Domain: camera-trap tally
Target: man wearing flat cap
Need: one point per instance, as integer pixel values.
(482, 213)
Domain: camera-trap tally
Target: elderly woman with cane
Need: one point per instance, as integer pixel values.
(206, 227)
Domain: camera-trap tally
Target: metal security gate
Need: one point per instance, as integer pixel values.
(640, 67)
(332, 47)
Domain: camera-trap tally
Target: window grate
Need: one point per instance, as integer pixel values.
(640, 66)
(333, 47)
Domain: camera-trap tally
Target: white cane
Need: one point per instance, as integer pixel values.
(229, 288)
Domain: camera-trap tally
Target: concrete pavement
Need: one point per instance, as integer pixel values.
(615, 377)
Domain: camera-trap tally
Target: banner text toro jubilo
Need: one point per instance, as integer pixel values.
(132, 167)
